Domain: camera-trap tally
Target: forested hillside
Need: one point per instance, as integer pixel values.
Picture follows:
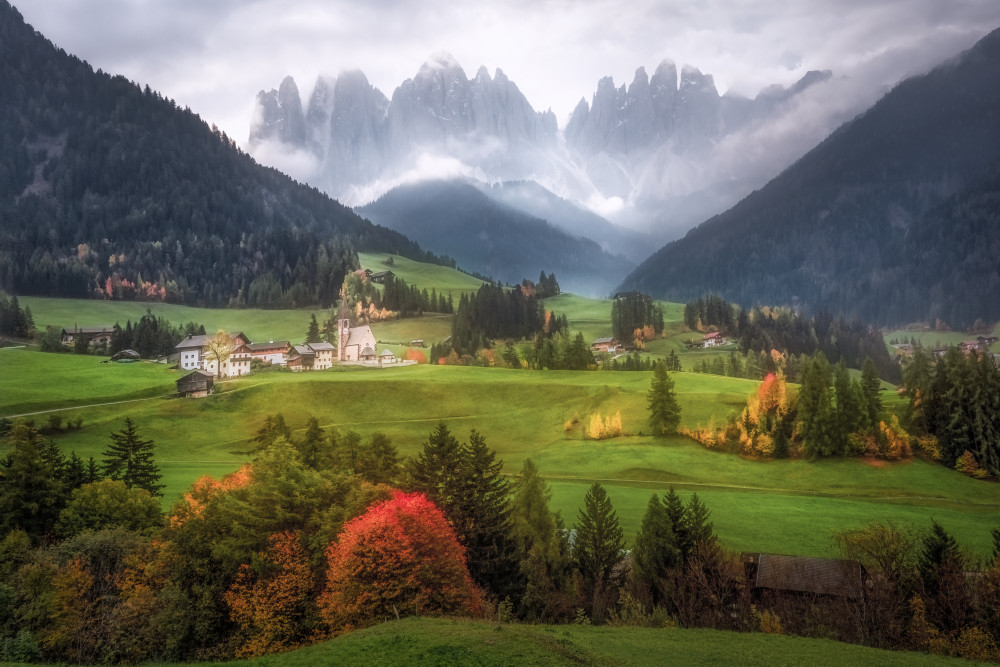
(895, 217)
(109, 190)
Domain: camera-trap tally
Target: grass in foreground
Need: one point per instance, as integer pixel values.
(437, 641)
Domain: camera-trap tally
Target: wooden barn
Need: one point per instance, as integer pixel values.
(195, 384)
(801, 575)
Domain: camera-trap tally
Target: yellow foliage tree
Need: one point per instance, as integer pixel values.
(595, 430)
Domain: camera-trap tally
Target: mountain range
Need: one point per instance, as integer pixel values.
(657, 154)
(895, 217)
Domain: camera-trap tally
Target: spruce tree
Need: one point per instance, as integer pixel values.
(664, 411)
(312, 334)
(129, 459)
(31, 491)
(655, 553)
(598, 549)
(871, 388)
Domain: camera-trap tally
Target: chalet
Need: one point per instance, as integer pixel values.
(387, 357)
(969, 346)
(714, 339)
(382, 277)
(986, 341)
(301, 358)
(194, 355)
(804, 576)
(94, 335)
(195, 384)
(609, 345)
(325, 353)
(272, 352)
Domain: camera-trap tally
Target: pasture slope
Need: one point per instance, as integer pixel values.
(779, 506)
(445, 641)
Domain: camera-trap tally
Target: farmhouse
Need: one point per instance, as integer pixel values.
(609, 345)
(324, 355)
(95, 335)
(714, 339)
(194, 355)
(301, 358)
(195, 384)
(271, 352)
(801, 575)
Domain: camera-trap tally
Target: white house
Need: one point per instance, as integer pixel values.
(324, 355)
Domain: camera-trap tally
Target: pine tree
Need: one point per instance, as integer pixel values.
(129, 459)
(598, 549)
(815, 409)
(31, 492)
(664, 411)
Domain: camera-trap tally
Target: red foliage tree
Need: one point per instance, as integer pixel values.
(399, 558)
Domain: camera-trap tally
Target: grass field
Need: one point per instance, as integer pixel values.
(783, 506)
(444, 641)
(425, 276)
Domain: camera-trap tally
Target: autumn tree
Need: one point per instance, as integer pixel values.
(664, 411)
(269, 600)
(129, 458)
(401, 557)
(598, 549)
(220, 348)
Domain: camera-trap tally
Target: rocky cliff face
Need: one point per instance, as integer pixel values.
(649, 150)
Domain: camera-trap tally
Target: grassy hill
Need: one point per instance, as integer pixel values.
(442, 641)
(782, 506)
(425, 276)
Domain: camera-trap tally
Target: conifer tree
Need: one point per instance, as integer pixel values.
(655, 553)
(129, 459)
(664, 411)
(31, 492)
(312, 334)
(815, 408)
(871, 387)
(598, 549)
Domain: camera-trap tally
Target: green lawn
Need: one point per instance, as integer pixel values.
(446, 641)
(785, 506)
(258, 324)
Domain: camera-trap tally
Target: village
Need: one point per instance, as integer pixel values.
(208, 358)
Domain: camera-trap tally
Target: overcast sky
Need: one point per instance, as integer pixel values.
(214, 55)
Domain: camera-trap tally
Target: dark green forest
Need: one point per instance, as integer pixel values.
(891, 219)
(109, 190)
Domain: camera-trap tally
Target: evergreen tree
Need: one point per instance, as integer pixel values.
(378, 461)
(655, 552)
(31, 492)
(437, 470)
(698, 528)
(664, 411)
(871, 388)
(312, 334)
(917, 376)
(850, 413)
(542, 551)
(598, 550)
(129, 459)
(274, 427)
(677, 515)
(578, 356)
(312, 447)
(815, 409)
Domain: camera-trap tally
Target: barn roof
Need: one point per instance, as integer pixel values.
(271, 345)
(823, 576)
(322, 346)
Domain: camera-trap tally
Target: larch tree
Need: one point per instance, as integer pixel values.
(664, 411)
(129, 459)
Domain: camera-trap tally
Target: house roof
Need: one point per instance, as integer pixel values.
(322, 346)
(196, 374)
(304, 350)
(823, 576)
(714, 334)
(271, 345)
(192, 341)
(367, 352)
(601, 341)
(387, 353)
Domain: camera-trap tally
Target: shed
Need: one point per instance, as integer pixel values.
(195, 384)
(387, 357)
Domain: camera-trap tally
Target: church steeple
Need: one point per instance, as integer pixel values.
(343, 330)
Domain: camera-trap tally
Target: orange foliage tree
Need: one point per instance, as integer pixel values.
(399, 558)
(270, 603)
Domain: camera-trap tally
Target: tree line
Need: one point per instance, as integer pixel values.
(326, 532)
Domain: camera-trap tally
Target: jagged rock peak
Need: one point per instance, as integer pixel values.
(439, 61)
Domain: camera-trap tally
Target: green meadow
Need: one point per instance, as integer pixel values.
(425, 276)
(780, 506)
(447, 641)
